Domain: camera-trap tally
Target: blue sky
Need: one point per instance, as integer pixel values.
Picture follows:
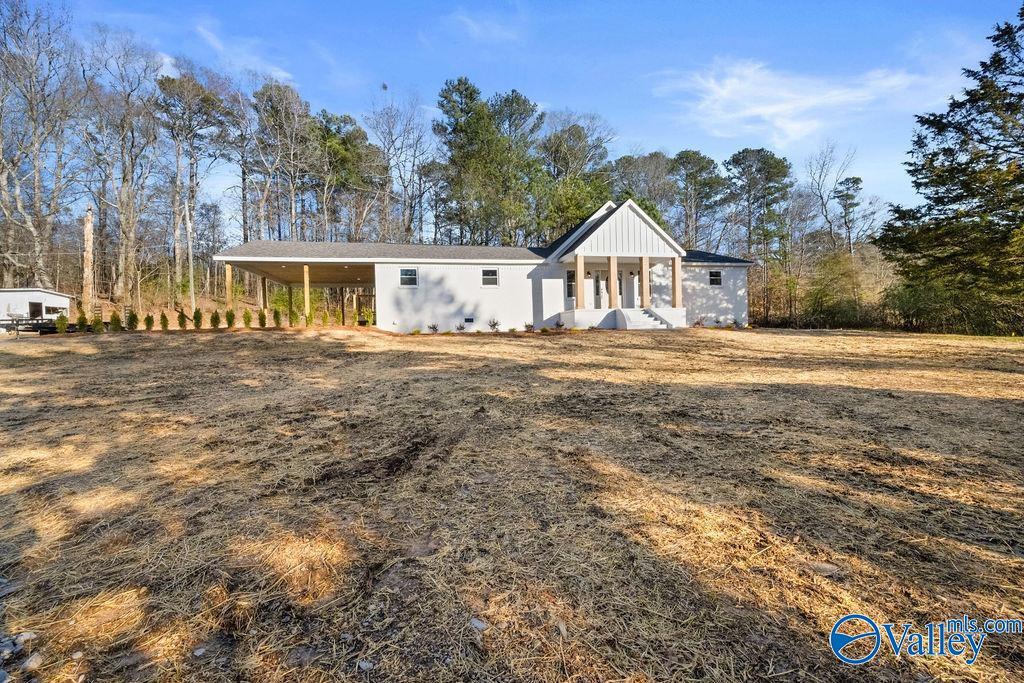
(713, 76)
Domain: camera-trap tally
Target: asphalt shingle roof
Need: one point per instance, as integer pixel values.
(371, 250)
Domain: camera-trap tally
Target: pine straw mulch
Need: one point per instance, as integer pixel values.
(326, 505)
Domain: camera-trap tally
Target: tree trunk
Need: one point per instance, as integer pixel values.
(88, 283)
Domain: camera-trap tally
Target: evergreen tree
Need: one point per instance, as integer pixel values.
(968, 164)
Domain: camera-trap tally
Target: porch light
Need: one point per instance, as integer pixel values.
(588, 273)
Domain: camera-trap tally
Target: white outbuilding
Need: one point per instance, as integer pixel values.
(617, 269)
(33, 303)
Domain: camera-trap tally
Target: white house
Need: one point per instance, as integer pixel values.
(657, 283)
(33, 303)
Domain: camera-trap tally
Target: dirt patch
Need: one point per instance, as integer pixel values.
(632, 506)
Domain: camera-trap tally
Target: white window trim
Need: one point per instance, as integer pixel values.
(415, 270)
(711, 275)
(497, 276)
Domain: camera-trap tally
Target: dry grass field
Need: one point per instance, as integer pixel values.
(333, 505)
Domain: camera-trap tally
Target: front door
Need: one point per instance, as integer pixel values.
(35, 309)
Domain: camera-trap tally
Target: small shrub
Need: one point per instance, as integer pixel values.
(493, 324)
(115, 322)
(338, 319)
(229, 317)
(545, 330)
(699, 322)
(432, 327)
(325, 319)
(182, 318)
(247, 318)
(416, 331)
(261, 318)
(277, 318)
(62, 323)
(461, 327)
(215, 319)
(512, 329)
(131, 321)
(97, 324)
(148, 322)
(559, 325)
(291, 318)
(197, 319)
(367, 314)
(447, 333)
(528, 327)
(164, 322)
(82, 322)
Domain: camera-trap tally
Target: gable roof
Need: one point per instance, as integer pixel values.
(581, 233)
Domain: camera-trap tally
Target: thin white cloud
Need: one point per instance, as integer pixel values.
(486, 29)
(734, 98)
(239, 53)
(338, 75)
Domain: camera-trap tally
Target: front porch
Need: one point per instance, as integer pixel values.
(623, 292)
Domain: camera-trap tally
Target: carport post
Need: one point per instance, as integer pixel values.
(228, 285)
(263, 294)
(290, 309)
(305, 291)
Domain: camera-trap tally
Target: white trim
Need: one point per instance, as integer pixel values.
(371, 259)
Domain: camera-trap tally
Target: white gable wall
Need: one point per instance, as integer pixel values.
(626, 234)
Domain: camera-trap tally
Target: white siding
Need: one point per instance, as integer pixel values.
(715, 305)
(448, 293)
(625, 234)
(16, 302)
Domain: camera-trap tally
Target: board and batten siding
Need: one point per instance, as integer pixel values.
(625, 234)
(447, 293)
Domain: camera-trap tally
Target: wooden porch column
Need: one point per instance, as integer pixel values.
(305, 291)
(677, 282)
(613, 282)
(228, 286)
(645, 282)
(290, 309)
(581, 273)
(265, 299)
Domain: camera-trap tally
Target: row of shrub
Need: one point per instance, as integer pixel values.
(131, 321)
(495, 326)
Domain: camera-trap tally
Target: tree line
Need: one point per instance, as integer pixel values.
(143, 139)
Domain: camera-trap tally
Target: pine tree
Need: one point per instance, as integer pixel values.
(968, 164)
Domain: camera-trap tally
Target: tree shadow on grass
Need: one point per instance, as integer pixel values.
(295, 507)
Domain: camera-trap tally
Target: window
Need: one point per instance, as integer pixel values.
(570, 284)
(35, 309)
(489, 277)
(469, 321)
(55, 310)
(715, 278)
(407, 277)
